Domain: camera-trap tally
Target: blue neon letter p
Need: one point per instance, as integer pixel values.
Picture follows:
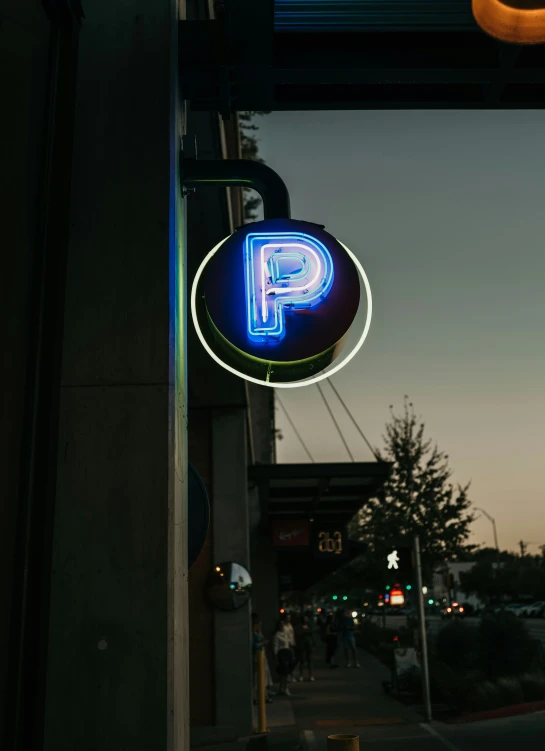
(284, 271)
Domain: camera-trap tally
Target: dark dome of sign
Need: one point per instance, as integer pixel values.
(308, 332)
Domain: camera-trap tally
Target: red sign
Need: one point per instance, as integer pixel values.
(291, 534)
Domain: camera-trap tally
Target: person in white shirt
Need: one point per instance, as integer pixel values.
(284, 656)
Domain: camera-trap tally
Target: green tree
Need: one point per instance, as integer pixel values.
(250, 150)
(418, 497)
(515, 578)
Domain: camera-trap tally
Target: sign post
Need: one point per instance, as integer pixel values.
(423, 634)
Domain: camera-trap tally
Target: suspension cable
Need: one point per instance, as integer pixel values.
(339, 431)
(285, 411)
(349, 413)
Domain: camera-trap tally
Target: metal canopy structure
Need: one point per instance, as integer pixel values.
(364, 54)
(325, 492)
(322, 493)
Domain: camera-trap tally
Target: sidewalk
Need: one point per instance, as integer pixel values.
(352, 701)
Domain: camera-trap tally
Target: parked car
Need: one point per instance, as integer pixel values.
(516, 608)
(536, 610)
(455, 610)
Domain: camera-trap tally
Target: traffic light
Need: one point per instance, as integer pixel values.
(388, 587)
(408, 587)
(334, 597)
(430, 602)
(345, 597)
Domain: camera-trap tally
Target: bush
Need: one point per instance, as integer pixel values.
(505, 647)
(484, 695)
(510, 691)
(456, 646)
(449, 685)
(533, 686)
(410, 682)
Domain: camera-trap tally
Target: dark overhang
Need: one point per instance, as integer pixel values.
(325, 492)
(398, 55)
(381, 15)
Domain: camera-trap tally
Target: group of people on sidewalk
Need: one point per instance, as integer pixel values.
(294, 644)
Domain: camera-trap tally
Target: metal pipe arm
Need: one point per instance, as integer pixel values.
(242, 173)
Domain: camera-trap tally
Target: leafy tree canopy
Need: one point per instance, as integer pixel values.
(250, 150)
(513, 578)
(418, 497)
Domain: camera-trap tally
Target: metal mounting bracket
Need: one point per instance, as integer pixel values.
(242, 173)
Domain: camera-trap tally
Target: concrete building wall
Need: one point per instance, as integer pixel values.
(117, 653)
(24, 74)
(265, 595)
(201, 613)
(233, 657)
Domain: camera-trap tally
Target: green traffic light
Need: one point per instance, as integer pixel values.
(345, 597)
(409, 586)
(430, 602)
(387, 588)
(334, 597)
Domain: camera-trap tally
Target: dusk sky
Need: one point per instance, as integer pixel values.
(446, 212)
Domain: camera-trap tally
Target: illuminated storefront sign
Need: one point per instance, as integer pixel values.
(330, 542)
(291, 534)
(273, 303)
(397, 597)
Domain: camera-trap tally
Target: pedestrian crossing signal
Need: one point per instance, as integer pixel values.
(400, 560)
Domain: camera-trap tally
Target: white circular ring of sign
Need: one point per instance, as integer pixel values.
(280, 385)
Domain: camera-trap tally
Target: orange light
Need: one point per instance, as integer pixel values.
(449, 610)
(454, 604)
(282, 610)
(218, 568)
(461, 610)
(515, 21)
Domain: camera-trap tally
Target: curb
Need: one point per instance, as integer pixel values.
(498, 714)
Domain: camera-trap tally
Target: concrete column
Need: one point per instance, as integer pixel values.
(24, 57)
(266, 600)
(117, 662)
(230, 519)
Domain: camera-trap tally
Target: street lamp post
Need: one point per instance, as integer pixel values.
(493, 521)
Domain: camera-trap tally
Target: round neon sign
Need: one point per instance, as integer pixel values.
(273, 302)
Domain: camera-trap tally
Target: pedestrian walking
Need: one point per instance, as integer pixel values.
(304, 637)
(348, 640)
(284, 656)
(331, 641)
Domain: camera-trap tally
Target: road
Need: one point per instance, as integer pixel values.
(526, 732)
(536, 626)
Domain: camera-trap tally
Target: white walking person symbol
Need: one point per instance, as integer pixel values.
(393, 560)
